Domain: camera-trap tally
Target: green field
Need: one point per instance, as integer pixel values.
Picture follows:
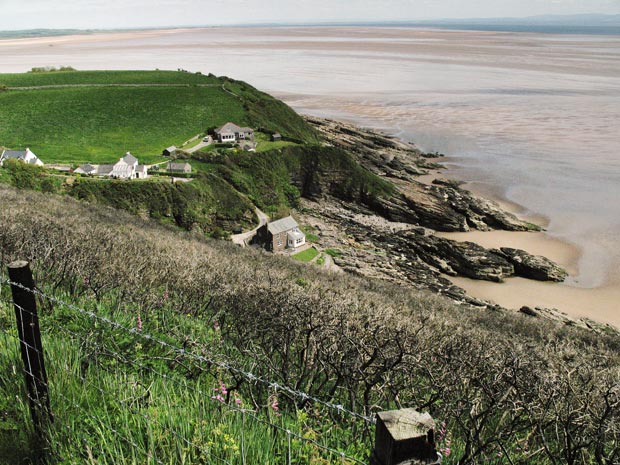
(105, 77)
(100, 115)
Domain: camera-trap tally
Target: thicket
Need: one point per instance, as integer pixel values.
(511, 388)
(26, 176)
(207, 204)
(51, 69)
(280, 177)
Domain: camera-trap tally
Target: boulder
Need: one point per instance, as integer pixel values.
(533, 266)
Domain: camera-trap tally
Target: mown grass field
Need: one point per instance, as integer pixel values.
(99, 125)
(105, 77)
(101, 115)
(306, 255)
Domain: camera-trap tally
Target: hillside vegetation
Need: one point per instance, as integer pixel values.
(97, 116)
(511, 389)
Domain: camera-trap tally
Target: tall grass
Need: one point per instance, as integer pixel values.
(118, 400)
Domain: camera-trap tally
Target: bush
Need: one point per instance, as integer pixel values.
(50, 69)
(508, 386)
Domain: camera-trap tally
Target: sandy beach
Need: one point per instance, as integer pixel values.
(529, 120)
(599, 304)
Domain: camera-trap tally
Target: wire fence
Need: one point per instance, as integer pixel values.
(143, 430)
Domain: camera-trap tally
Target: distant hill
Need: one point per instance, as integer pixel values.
(559, 20)
(557, 24)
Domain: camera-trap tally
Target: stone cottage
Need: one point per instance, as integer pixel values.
(279, 235)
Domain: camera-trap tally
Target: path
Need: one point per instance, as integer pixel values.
(329, 264)
(65, 86)
(240, 239)
(197, 147)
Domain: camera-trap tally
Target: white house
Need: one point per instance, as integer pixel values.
(230, 132)
(24, 155)
(125, 168)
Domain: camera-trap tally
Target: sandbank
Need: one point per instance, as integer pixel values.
(600, 304)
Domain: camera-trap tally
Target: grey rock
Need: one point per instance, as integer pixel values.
(533, 266)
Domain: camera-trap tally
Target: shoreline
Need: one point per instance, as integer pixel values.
(596, 303)
(554, 300)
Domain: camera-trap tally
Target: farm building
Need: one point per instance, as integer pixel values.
(170, 151)
(24, 155)
(179, 168)
(276, 136)
(279, 235)
(125, 168)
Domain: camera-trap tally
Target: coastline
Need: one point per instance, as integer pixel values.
(597, 303)
(369, 114)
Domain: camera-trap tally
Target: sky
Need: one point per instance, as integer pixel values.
(105, 14)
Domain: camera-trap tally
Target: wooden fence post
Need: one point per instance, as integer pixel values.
(30, 343)
(404, 437)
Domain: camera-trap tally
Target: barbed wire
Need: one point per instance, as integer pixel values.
(303, 396)
(250, 413)
(76, 406)
(230, 407)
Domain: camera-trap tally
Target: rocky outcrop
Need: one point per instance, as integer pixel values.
(532, 266)
(443, 206)
(392, 237)
(379, 153)
(455, 258)
(481, 213)
(416, 254)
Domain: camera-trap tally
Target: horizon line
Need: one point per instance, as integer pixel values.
(358, 22)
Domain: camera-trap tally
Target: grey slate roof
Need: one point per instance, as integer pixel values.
(130, 159)
(87, 169)
(232, 128)
(172, 148)
(179, 166)
(295, 235)
(104, 170)
(141, 169)
(285, 224)
(17, 154)
(228, 128)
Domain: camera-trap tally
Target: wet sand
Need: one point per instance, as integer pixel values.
(600, 304)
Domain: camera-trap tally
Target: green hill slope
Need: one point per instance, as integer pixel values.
(97, 116)
(511, 388)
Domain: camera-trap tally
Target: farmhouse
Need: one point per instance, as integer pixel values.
(230, 132)
(24, 155)
(179, 168)
(125, 168)
(281, 234)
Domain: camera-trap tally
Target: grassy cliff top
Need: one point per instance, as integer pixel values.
(97, 116)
